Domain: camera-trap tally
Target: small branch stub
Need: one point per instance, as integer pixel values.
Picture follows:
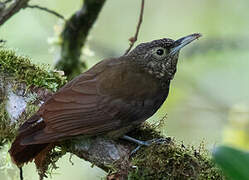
(134, 38)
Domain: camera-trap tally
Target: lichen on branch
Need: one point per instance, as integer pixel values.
(23, 86)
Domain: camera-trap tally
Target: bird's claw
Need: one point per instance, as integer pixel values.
(160, 140)
(135, 150)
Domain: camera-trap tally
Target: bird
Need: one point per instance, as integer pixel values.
(110, 99)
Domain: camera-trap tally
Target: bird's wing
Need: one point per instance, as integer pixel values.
(98, 101)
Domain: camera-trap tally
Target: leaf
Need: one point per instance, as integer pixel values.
(234, 162)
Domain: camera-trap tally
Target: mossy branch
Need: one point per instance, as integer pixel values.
(74, 37)
(24, 86)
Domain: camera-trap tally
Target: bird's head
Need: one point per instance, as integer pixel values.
(159, 57)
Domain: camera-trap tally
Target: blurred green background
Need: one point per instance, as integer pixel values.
(209, 98)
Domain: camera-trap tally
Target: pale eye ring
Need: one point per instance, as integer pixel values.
(160, 52)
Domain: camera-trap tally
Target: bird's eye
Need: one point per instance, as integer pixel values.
(160, 52)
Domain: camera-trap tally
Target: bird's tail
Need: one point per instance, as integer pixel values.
(21, 153)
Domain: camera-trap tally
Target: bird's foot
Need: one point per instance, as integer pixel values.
(145, 143)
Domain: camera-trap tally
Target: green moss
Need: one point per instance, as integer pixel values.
(145, 132)
(173, 161)
(24, 71)
(7, 130)
(169, 160)
(47, 167)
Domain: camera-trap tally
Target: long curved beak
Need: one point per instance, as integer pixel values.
(180, 43)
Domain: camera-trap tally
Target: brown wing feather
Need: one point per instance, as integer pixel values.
(96, 102)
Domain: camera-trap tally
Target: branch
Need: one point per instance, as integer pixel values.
(8, 12)
(134, 38)
(74, 37)
(167, 160)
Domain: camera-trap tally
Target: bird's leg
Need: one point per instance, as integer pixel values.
(139, 142)
(142, 143)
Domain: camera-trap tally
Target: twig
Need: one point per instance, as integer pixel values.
(47, 10)
(13, 8)
(70, 158)
(21, 173)
(134, 38)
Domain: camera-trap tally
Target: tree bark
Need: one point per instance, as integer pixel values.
(74, 36)
(13, 8)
